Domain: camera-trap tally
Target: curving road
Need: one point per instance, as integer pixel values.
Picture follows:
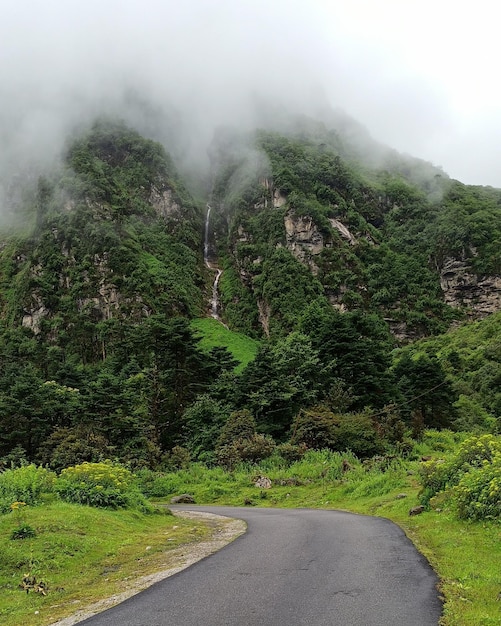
(294, 567)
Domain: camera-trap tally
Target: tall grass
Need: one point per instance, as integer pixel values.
(315, 470)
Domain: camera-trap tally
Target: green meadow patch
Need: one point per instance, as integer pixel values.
(213, 334)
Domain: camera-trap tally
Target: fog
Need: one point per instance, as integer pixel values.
(420, 78)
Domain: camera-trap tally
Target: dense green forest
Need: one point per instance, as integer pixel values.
(345, 327)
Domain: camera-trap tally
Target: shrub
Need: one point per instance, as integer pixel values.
(71, 446)
(318, 428)
(478, 494)
(23, 532)
(178, 458)
(290, 452)
(252, 449)
(470, 472)
(156, 484)
(356, 432)
(315, 428)
(105, 484)
(24, 484)
(240, 425)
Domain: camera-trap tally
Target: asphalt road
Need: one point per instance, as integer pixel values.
(294, 567)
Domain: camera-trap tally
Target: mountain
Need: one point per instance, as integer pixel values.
(334, 252)
(420, 256)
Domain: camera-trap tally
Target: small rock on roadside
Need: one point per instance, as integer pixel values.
(417, 510)
(263, 483)
(184, 498)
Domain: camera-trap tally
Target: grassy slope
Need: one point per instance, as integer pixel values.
(214, 334)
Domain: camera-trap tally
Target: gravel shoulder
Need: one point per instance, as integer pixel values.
(223, 531)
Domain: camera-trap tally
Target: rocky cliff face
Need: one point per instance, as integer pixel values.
(480, 296)
(95, 292)
(163, 202)
(304, 239)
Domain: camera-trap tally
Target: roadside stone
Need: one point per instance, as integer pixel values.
(184, 498)
(417, 510)
(263, 483)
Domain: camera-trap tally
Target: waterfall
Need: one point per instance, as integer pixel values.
(206, 238)
(214, 303)
(215, 296)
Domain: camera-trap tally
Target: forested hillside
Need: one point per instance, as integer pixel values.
(354, 284)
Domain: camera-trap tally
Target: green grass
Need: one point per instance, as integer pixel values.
(84, 554)
(213, 334)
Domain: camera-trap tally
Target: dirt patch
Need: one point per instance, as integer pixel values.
(223, 531)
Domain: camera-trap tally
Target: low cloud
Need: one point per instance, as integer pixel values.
(178, 70)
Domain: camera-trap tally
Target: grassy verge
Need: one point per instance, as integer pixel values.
(214, 335)
(84, 554)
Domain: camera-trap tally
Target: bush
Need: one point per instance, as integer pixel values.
(478, 494)
(71, 446)
(156, 484)
(24, 484)
(315, 428)
(319, 428)
(106, 485)
(240, 425)
(178, 458)
(472, 475)
(356, 432)
(290, 452)
(252, 449)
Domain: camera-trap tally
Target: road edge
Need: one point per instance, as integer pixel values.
(224, 531)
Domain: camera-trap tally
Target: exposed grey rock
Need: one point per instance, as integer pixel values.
(33, 318)
(264, 316)
(184, 498)
(343, 230)
(417, 510)
(163, 202)
(263, 482)
(278, 199)
(303, 239)
(462, 288)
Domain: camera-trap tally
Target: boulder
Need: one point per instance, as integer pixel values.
(417, 510)
(263, 482)
(184, 498)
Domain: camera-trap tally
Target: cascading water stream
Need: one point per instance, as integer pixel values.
(214, 303)
(215, 296)
(206, 238)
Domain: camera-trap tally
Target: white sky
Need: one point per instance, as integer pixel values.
(432, 68)
(422, 76)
